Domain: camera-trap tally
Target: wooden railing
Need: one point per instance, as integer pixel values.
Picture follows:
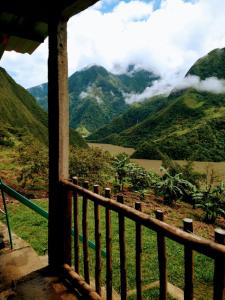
(214, 250)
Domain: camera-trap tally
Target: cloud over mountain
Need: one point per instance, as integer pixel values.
(115, 34)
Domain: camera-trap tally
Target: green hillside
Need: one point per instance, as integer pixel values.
(97, 96)
(211, 65)
(18, 109)
(135, 115)
(20, 114)
(187, 125)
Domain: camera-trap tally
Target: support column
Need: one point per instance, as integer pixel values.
(58, 114)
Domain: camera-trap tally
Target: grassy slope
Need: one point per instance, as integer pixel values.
(19, 109)
(211, 65)
(182, 126)
(191, 127)
(135, 115)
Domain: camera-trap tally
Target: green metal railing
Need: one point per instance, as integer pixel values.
(29, 203)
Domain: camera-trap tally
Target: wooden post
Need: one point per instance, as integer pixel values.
(122, 241)
(188, 264)
(161, 243)
(58, 123)
(108, 249)
(76, 227)
(85, 235)
(138, 255)
(219, 269)
(98, 244)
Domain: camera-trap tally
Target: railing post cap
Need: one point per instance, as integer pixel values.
(220, 231)
(187, 220)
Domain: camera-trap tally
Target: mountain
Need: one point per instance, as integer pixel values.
(211, 65)
(97, 96)
(188, 124)
(18, 109)
(20, 113)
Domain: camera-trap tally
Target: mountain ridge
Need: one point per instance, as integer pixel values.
(97, 96)
(188, 124)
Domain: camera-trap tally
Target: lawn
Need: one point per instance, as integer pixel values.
(33, 228)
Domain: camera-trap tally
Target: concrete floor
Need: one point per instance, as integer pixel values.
(25, 276)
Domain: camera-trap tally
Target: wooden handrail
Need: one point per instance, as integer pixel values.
(201, 245)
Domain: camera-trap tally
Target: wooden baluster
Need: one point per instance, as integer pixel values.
(122, 241)
(97, 244)
(108, 249)
(138, 255)
(76, 226)
(219, 269)
(161, 244)
(188, 263)
(85, 236)
(67, 196)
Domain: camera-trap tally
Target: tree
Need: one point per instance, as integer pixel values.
(91, 164)
(33, 158)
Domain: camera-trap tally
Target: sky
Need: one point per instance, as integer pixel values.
(163, 36)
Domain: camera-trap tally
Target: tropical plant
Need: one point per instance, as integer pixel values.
(187, 170)
(212, 201)
(172, 187)
(121, 164)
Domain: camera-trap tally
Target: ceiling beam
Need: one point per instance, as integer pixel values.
(25, 31)
(70, 7)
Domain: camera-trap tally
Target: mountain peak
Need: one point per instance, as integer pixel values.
(210, 65)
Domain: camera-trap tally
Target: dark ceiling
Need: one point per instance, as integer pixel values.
(24, 24)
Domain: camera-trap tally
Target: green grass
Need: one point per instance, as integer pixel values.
(33, 228)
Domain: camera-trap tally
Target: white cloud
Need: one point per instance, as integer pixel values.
(168, 40)
(211, 84)
(165, 85)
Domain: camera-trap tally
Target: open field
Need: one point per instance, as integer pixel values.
(203, 167)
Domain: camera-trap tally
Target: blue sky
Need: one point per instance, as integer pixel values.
(164, 36)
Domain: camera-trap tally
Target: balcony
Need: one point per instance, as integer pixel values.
(90, 265)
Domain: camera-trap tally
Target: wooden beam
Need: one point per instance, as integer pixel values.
(70, 8)
(25, 31)
(58, 110)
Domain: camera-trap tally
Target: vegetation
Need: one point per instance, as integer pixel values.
(33, 157)
(91, 164)
(121, 164)
(172, 187)
(210, 65)
(212, 200)
(19, 110)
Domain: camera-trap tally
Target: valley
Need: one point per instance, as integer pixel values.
(154, 165)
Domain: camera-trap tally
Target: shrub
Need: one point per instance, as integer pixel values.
(33, 157)
(187, 170)
(92, 164)
(172, 187)
(212, 201)
(141, 179)
(121, 164)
